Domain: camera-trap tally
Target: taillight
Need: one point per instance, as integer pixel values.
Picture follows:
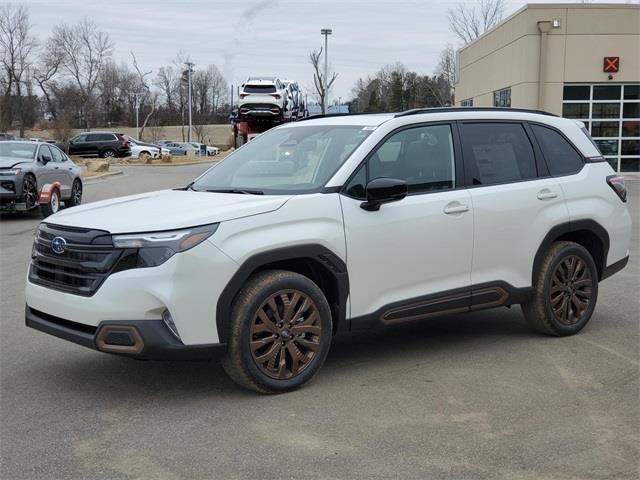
(617, 183)
(242, 95)
(275, 95)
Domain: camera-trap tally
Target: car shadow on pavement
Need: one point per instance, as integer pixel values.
(86, 372)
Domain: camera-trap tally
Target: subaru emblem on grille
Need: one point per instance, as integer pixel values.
(58, 245)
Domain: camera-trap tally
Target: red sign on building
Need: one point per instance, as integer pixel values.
(611, 64)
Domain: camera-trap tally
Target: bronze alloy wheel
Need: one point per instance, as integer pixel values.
(571, 289)
(285, 334)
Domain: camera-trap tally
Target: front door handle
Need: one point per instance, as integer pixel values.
(455, 207)
(545, 194)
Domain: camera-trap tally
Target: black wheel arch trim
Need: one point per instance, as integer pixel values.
(569, 227)
(319, 254)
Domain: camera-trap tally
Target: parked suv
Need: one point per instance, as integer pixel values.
(99, 144)
(263, 97)
(339, 224)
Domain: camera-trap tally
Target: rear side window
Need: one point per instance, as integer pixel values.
(100, 137)
(561, 157)
(497, 153)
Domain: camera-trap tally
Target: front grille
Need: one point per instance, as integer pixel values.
(88, 259)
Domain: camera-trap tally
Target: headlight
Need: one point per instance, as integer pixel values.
(155, 248)
(10, 171)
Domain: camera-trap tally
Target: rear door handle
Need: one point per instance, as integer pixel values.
(545, 194)
(455, 207)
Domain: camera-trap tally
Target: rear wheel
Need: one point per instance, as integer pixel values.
(280, 332)
(108, 153)
(566, 291)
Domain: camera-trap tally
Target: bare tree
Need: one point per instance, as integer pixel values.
(321, 87)
(446, 69)
(85, 51)
(17, 48)
(144, 94)
(468, 22)
(46, 68)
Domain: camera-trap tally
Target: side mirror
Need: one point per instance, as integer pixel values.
(384, 190)
(44, 159)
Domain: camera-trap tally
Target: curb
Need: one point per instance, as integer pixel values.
(101, 176)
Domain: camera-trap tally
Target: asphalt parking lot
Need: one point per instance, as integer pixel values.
(471, 396)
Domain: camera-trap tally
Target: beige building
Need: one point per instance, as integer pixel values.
(576, 60)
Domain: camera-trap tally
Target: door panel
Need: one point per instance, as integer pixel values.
(511, 221)
(415, 247)
(407, 249)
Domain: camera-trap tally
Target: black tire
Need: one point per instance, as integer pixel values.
(247, 329)
(53, 206)
(566, 295)
(29, 191)
(76, 194)
(108, 153)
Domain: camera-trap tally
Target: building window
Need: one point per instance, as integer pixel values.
(611, 113)
(502, 98)
(467, 103)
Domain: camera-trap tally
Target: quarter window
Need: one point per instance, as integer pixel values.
(561, 157)
(497, 153)
(421, 156)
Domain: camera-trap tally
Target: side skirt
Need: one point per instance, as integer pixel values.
(476, 297)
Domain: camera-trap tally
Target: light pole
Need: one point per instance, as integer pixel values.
(189, 67)
(326, 32)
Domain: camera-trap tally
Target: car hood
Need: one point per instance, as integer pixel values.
(165, 210)
(8, 162)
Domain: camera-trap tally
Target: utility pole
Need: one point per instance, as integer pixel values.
(189, 67)
(326, 32)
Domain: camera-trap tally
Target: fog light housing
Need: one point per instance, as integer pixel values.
(168, 321)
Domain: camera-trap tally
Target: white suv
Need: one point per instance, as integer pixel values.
(339, 224)
(263, 97)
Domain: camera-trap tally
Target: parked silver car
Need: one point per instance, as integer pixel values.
(27, 166)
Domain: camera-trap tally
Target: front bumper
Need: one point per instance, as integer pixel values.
(188, 285)
(143, 339)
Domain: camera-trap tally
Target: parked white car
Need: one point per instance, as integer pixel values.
(211, 150)
(140, 148)
(263, 97)
(339, 224)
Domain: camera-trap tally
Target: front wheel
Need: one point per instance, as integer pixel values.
(280, 332)
(566, 291)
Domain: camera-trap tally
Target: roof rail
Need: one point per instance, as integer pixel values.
(329, 115)
(417, 111)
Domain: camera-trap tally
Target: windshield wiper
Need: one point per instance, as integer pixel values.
(244, 191)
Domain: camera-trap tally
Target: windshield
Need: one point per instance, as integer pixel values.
(285, 160)
(17, 149)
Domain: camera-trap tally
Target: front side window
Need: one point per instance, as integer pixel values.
(421, 156)
(561, 157)
(290, 160)
(45, 153)
(497, 153)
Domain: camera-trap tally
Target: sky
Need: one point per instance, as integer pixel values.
(267, 37)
